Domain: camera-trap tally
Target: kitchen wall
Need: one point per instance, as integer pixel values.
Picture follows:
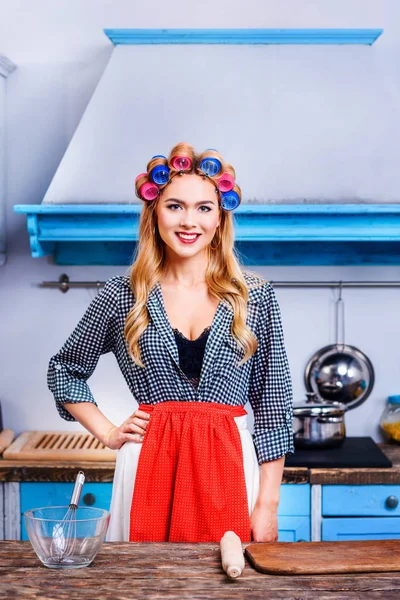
(46, 100)
(2, 166)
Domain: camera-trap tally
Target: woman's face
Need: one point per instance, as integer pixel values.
(188, 214)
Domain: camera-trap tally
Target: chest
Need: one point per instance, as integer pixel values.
(190, 312)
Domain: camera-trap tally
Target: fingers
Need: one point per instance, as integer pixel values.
(136, 423)
(134, 427)
(134, 437)
(141, 414)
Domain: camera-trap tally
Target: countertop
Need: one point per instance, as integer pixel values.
(14, 470)
(173, 571)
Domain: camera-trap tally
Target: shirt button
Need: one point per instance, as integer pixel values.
(58, 367)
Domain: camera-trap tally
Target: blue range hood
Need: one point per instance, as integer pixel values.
(266, 234)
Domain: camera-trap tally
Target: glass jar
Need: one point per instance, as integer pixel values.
(390, 419)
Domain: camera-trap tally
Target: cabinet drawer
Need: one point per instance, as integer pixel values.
(294, 529)
(364, 528)
(295, 500)
(36, 495)
(361, 500)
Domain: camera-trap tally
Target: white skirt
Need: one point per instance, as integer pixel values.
(125, 475)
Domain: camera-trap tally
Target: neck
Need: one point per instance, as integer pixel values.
(187, 272)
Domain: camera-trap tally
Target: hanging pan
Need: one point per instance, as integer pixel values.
(340, 372)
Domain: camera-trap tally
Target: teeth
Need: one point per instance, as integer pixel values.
(187, 236)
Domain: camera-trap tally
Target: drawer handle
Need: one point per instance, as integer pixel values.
(89, 499)
(301, 540)
(392, 502)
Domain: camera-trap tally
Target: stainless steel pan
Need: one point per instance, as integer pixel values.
(339, 372)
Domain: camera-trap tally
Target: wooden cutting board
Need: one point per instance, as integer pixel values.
(60, 446)
(317, 558)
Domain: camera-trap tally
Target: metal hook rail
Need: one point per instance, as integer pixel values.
(64, 284)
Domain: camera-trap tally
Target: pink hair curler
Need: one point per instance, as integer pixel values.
(149, 191)
(139, 176)
(181, 163)
(226, 182)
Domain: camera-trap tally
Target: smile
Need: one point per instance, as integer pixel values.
(188, 238)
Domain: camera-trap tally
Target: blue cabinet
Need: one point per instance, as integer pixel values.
(361, 500)
(360, 512)
(294, 529)
(294, 514)
(364, 528)
(36, 495)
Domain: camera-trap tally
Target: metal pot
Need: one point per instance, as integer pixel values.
(318, 424)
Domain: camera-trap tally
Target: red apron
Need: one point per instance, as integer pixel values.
(190, 484)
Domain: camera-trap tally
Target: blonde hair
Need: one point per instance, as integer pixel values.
(224, 275)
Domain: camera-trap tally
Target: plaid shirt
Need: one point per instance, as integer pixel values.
(264, 379)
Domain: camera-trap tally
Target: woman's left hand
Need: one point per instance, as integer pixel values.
(264, 524)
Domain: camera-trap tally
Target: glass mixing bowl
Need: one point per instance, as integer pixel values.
(66, 539)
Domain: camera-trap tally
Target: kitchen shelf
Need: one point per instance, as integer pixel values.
(243, 36)
(266, 234)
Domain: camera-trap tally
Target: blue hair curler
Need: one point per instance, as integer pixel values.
(160, 174)
(210, 166)
(159, 156)
(230, 200)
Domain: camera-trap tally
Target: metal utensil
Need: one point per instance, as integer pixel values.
(318, 424)
(64, 533)
(340, 372)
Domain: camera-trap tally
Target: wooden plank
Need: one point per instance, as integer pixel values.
(316, 518)
(55, 472)
(12, 512)
(6, 438)
(155, 571)
(46, 445)
(369, 556)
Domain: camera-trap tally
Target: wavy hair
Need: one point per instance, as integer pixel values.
(224, 275)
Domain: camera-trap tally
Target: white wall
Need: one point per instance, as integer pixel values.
(2, 167)
(45, 103)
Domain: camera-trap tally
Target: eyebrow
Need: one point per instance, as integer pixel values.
(184, 203)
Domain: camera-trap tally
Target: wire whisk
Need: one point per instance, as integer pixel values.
(64, 533)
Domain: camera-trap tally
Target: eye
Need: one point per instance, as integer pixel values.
(206, 207)
(173, 206)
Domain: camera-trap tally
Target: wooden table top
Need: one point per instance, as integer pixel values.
(14, 470)
(100, 472)
(173, 571)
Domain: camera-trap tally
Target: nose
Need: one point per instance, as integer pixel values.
(187, 220)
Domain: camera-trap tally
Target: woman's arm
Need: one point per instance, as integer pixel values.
(264, 518)
(270, 390)
(93, 336)
(270, 396)
(91, 417)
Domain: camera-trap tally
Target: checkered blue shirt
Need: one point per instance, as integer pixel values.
(264, 379)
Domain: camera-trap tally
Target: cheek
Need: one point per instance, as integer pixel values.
(166, 219)
(211, 222)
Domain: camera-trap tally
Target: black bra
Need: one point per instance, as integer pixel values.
(191, 354)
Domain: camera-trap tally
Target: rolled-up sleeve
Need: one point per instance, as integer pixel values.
(94, 335)
(270, 392)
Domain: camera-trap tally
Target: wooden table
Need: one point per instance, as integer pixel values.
(173, 571)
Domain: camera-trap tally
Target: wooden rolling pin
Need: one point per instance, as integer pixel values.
(6, 437)
(232, 554)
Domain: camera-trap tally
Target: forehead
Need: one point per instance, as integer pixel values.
(190, 188)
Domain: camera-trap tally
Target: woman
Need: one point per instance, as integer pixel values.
(195, 338)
